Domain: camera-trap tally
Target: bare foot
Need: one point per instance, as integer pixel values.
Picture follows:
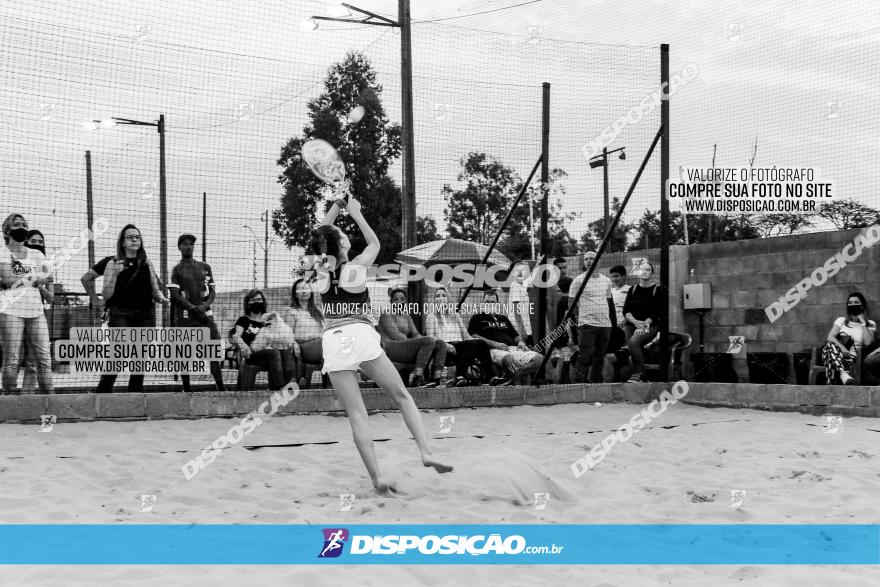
(438, 466)
(384, 486)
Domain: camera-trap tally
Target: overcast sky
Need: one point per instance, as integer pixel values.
(799, 77)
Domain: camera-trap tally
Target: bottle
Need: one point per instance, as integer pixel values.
(185, 313)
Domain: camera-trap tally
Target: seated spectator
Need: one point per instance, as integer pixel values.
(848, 335)
(507, 348)
(281, 364)
(642, 312)
(404, 344)
(462, 349)
(307, 321)
(617, 355)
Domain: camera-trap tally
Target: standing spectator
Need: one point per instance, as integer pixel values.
(193, 296)
(462, 349)
(848, 335)
(403, 343)
(22, 273)
(88, 281)
(642, 312)
(35, 240)
(507, 348)
(520, 315)
(595, 312)
(130, 291)
(280, 364)
(307, 321)
(561, 350)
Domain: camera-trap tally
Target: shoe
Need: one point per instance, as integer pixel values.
(635, 378)
(430, 383)
(462, 381)
(450, 383)
(417, 381)
(499, 381)
(847, 379)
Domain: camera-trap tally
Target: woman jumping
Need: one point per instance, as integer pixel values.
(350, 342)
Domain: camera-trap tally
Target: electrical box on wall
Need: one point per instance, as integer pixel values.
(697, 296)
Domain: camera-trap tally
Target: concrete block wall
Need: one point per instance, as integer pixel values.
(746, 276)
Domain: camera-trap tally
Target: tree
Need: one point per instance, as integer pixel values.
(368, 148)
(596, 232)
(647, 230)
(476, 210)
(770, 225)
(517, 244)
(426, 230)
(846, 214)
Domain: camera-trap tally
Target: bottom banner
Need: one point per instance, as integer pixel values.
(253, 544)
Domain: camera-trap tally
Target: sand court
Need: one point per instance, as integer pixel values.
(691, 466)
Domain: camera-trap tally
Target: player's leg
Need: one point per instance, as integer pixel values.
(347, 391)
(382, 371)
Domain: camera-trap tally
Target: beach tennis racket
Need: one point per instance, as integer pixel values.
(324, 161)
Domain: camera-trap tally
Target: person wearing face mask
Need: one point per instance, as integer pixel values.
(35, 240)
(848, 335)
(281, 366)
(642, 313)
(22, 272)
(130, 290)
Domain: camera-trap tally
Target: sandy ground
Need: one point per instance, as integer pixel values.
(680, 470)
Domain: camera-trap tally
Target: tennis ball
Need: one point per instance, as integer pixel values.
(356, 114)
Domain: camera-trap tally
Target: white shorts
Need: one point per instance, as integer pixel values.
(346, 347)
(519, 356)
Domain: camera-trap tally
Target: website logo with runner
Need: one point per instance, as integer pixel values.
(334, 541)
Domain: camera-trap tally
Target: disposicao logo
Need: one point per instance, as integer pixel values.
(334, 540)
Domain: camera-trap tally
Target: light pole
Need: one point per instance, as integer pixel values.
(265, 246)
(602, 161)
(408, 204)
(163, 204)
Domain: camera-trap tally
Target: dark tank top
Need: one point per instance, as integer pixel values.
(341, 306)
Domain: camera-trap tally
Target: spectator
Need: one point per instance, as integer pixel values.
(35, 240)
(561, 351)
(193, 294)
(595, 311)
(280, 364)
(307, 322)
(849, 334)
(462, 349)
(130, 291)
(518, 298)
(507, 348)
(404, 344)
(642, 312)
(617, 343)
(564, 280)
(88, 281)
(22, 275)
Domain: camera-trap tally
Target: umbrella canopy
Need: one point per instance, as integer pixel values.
(452, 251)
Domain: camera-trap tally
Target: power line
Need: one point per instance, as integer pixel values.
(479, 13)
